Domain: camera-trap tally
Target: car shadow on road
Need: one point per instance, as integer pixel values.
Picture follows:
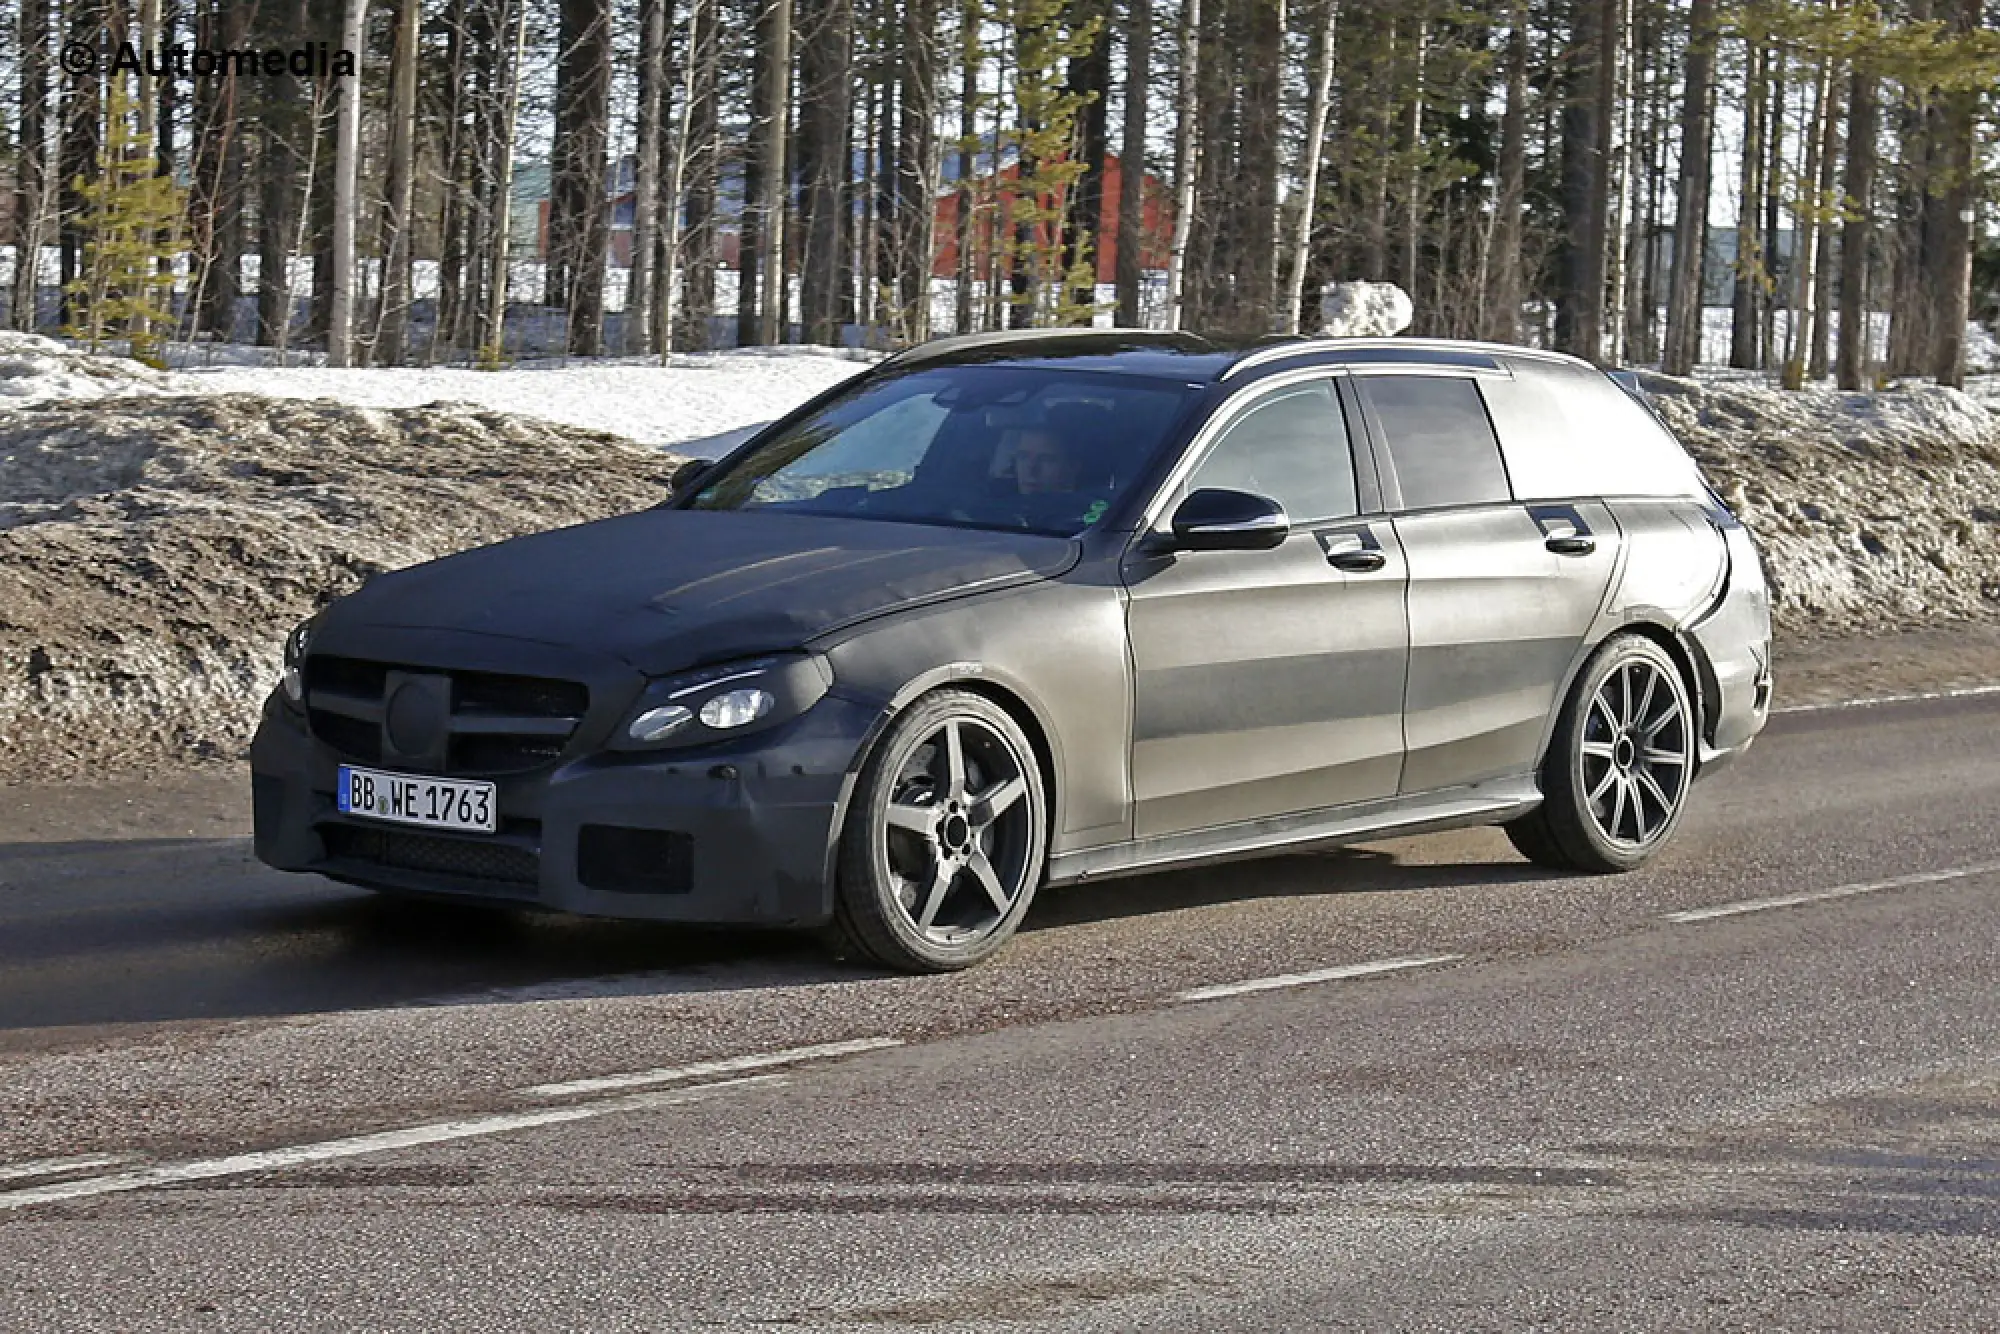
(1357, 870)
(111, 932)
(96, 933)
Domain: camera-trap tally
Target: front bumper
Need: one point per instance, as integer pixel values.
(740, 834)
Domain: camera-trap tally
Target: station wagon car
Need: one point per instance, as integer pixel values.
(1011, 611)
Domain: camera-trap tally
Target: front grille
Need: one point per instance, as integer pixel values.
(503, 754)
(434, 854)
(350, 736)
(536, 696)
(500, 723)
(349, 676)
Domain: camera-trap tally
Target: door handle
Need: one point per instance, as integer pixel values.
(1357, 560)
(1571, 544)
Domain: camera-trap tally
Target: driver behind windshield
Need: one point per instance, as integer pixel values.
(1043, 462)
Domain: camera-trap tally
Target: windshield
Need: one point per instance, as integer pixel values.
(1013, 447)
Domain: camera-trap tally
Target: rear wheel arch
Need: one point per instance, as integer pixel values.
(1695, 675)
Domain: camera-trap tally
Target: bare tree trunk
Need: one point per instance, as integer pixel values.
(1805, 235)
(346, 168)
(700, 20)
(1773, 188)
(493, 334)
(1187, 156)
(1819, 341)
(772, 116)
(1587, 178)
(285, 143)
(1090, 79)
(399, 207)
(971, 59)
(704, 164)
(1258, 222)
(646, 177)
(1413, 204)
(1503, 300)
(1960, 117)
(1619, 116)
(1743, 318)
(916, 179)
(31, 192)
(1129, 273)
(1858, 186)
(1685, 279)
(588, 209)
(1302, 222)
(824, 83)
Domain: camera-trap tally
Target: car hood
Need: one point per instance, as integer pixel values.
(668, 589)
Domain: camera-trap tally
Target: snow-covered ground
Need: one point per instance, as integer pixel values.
(700, 405)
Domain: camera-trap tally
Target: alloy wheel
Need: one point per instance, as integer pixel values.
(1637, 753)
(958, 832)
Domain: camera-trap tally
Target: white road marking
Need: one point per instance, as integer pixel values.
(1318, 975)
(1822, 895)
(730, 1065)
(438, 1132)
(53, 1167)
(1963, 692)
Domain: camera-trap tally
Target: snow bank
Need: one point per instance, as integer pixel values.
(1874, 511)
(34, 369)
(153, 551)
(694, 398)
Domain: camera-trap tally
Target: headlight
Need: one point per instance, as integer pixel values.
(293, 681)
(736, 708)
(713, 703)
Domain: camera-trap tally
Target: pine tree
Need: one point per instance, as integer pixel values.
(1051, 265)
(129, 220)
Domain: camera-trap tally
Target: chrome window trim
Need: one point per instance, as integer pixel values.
(1226, 415)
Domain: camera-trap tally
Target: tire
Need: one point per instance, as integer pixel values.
(940, 858)
(1616, 777)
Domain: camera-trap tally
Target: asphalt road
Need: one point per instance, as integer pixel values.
(233, 1100)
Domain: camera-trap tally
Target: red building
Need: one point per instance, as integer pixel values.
(1156, 223)
(991, 202)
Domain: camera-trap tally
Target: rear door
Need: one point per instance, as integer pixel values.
(1501, 593)
(1270, 682)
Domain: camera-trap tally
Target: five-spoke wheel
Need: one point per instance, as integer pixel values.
(944, 841)
(1616, 776)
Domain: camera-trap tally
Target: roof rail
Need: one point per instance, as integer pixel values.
(938, 349)
(1416, 351)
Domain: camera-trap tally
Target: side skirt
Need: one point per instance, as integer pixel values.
(1494, 802)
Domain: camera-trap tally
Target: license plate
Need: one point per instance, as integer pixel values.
(435, 803)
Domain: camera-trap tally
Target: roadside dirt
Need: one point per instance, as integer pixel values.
(154, 551)
(1873, 511)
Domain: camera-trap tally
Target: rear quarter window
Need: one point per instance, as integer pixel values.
(1569, 432)
(1440, 442)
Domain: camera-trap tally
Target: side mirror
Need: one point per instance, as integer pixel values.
(1213, 519)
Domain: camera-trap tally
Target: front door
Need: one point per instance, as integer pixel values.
(1270, 682)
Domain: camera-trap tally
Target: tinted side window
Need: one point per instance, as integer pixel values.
(1440, 441)
(1290, 446)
